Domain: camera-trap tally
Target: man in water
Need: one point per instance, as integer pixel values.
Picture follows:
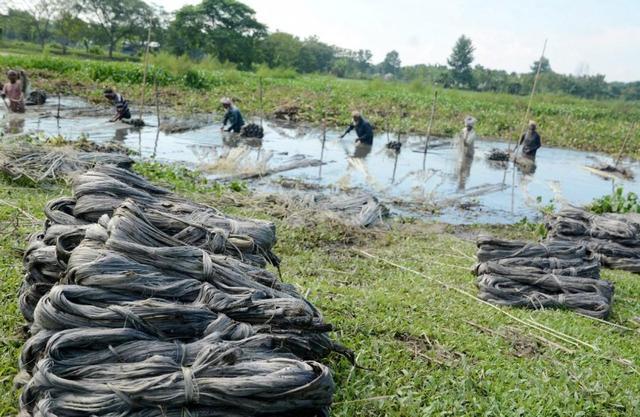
(121, 105)
(466, 141)
(467, 138)
(363, 128)
(232, 115)
(13, 90)
(530, 142)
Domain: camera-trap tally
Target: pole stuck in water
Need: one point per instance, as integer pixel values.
(624, 143)
(261, 100)
(144, 74)
(533, 91)
(433, 113)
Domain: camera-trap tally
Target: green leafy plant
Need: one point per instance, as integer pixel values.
(617, 202)
(182, 179)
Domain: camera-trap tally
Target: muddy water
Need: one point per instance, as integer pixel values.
(466, 189)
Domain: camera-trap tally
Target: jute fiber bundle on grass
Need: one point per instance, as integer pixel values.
(137, 322)
(37, 163)
(100, 191)
(540, 275)
(614, 238)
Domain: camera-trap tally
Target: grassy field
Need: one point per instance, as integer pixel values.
(186, 87)
(426, 349)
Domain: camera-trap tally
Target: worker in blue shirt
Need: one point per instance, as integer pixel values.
(363, 128)
(232, 116)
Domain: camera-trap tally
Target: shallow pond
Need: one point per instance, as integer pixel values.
(467, 190)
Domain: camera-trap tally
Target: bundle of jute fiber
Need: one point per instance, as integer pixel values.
(614, 238)
(91, 346)
(101, 191)
(37, 163)
(222, 377)
(540, 275)
(143, 324)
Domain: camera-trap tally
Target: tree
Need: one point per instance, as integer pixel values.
(68, 27)
(281, 50)
(226, 29)
(118, 19)
(391, 63)
(460, 62)
(42, 12)
(544, 68)
(315, 56)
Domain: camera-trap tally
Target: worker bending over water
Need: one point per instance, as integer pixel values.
(14, 91)
(530, 141)
(363, 128)
(121, 105)
(232, 115)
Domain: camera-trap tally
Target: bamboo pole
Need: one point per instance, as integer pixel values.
(624, 143)
(433, 113)
(261, 100)
(144, 74)
(533, 91)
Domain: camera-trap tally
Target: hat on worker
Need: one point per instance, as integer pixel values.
(356, 113)
(532, 123)
(12, 73)
(225, 100)
(470, 121)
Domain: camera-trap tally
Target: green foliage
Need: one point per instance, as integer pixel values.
(460, 61)
(618, 202)
(391, 63)
(182, 179)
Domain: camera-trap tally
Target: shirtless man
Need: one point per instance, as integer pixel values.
(14, 92)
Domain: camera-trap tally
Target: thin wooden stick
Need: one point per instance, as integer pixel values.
(533, 91)
(144, 74)
(261, 97)
(433, 113)
(624, 143)
(528, 323)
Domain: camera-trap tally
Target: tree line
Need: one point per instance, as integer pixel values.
(228, 31)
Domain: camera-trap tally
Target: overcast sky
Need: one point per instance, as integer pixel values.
(584, 36)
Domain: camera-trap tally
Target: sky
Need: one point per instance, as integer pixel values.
(585, 37)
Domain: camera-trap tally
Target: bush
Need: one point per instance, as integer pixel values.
(617, 202)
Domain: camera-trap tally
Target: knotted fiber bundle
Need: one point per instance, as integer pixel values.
(223, 377)
(614, 238)
(103, 189)
(539, 275)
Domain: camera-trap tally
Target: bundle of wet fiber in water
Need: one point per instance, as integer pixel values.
(136, 322)
(496, 154)
(614, 238)
(252, 130)
(541, 275)
(362, 210)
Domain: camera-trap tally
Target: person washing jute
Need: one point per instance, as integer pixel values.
(530, 141)
(363, 128)
(467, 137)
(231, 116)
(14, 91)
(119, 102)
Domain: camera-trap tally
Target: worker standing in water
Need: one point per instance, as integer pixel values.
(466, 147)
(530, 141)
(363, 128)
(14, 91)
(467, 138)
(232, 116)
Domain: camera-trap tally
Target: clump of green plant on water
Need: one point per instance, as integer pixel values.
(183, 179)
(617, 202)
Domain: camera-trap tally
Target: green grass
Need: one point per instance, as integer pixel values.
(187, 87)
(427, 350)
